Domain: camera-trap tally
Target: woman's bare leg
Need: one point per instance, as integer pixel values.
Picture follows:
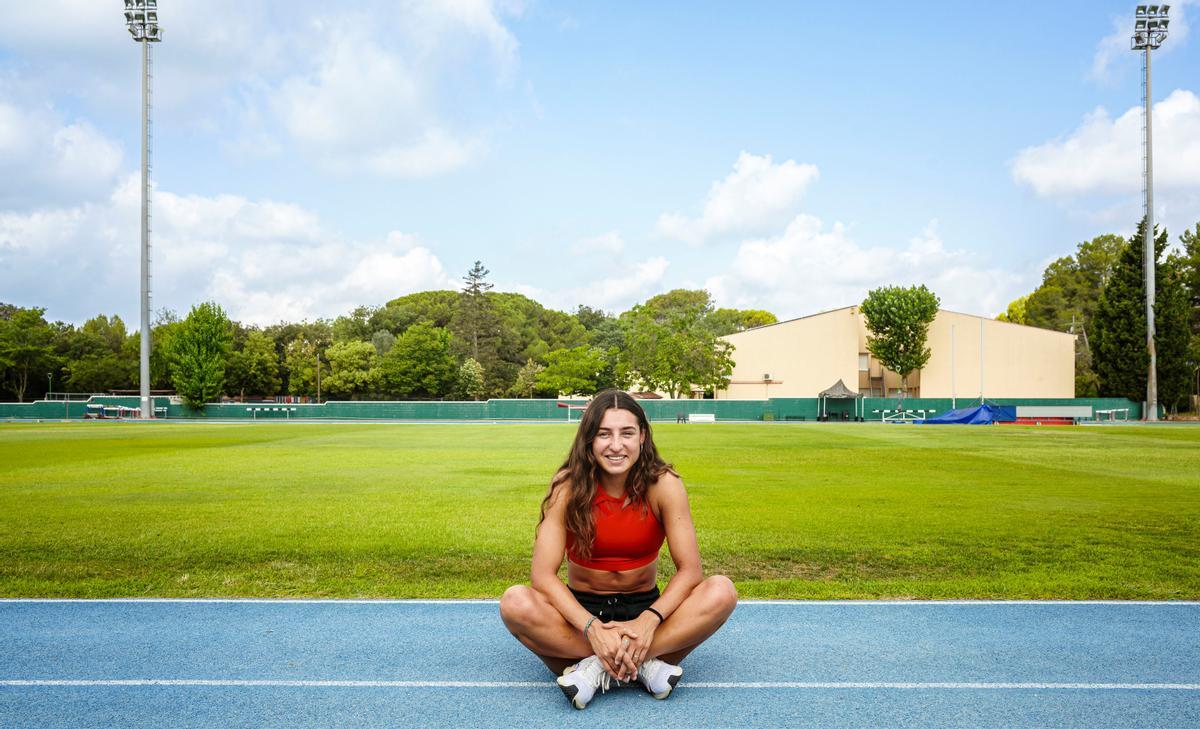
(539, 626)
(697, 617)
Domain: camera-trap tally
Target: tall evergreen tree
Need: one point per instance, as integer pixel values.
(476, 313)
(1119, 332)
(1190, 264)
(1066, 301)
(1171, 319)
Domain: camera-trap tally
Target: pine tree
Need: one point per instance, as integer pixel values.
(475, 308)
(1171, 320)
(1190, 262)
(1119, 331)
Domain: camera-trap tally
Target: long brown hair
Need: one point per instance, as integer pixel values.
(581, 474)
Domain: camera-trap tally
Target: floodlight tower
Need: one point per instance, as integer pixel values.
(1149, 32)
(141, 17)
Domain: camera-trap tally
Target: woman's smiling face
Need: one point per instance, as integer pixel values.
(618, 442)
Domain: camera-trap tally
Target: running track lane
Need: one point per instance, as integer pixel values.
(428, 663)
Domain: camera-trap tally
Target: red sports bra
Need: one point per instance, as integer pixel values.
(625, 537)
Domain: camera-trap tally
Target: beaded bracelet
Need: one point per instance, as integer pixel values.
(588, 625)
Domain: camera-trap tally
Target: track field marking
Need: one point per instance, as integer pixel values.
(493, 601)
(885, 685)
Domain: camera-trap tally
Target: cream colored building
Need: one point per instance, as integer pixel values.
(970, 355)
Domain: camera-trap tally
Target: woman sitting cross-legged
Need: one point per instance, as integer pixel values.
(608, 510)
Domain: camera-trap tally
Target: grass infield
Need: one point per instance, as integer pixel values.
(787, 511)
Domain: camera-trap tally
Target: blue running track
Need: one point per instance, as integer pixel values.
(424, 663)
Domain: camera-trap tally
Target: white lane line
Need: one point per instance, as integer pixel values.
(886, 685)
(984, 603)
(490, 601)
(244, 601)
(947, 685)
(274, 683)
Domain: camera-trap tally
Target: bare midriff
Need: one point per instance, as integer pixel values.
(586, 579)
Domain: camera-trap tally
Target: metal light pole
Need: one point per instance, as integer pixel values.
(1149, 32)
(141, 17)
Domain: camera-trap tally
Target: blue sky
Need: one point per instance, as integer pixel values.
(790, 156)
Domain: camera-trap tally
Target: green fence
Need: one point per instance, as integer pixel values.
(774, 409)
(777, 409)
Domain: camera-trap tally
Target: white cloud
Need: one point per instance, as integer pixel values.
(626, 285)
(1111, 47)
(809, 268)
(45, 160)
(355, 96)
(435, 151)
(390, 92)
(1103, 156)
(395, 89)
(757, 196)
(264, 260)
(605, 244)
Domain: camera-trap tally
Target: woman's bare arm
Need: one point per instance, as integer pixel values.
(548, 550)
(675, 514)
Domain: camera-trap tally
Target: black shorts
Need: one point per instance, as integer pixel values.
(620, 606)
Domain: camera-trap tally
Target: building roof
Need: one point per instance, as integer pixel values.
(855, 306)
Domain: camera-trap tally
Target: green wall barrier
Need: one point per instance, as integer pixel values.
(532, 409)
(774, 409)
(671, 410)
(43, 409)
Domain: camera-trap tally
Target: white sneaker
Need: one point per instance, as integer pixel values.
(579, 682)
(659, 677)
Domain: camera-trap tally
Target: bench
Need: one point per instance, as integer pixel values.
(702, 418)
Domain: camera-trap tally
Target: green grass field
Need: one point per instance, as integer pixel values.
(795, 511)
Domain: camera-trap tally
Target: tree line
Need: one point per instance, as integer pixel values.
(472, 343)
(1098, 294)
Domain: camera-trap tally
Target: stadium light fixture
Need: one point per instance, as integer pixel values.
(141, 18)
(1149, 31)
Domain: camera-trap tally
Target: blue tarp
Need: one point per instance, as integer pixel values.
(978, 415)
